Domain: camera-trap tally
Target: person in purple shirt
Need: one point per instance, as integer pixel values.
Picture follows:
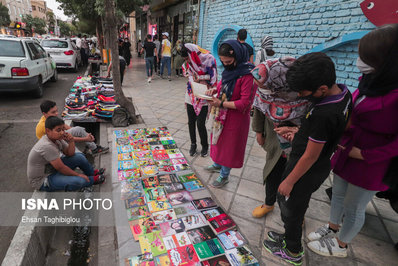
(367, 147)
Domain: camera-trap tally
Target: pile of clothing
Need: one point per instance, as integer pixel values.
(90, 99)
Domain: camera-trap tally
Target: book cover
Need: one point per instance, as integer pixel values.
(125, 165)
(187, 177)
(155, 206)
(241, 256)
(170, 147)
(182, 167)
(155, 193)
(166, 138)
(134, 202)
(173, 187)
(174, 153)
(183, 256)
(147, 161)
(221, 260)
(129, 174)
(194, 185)
(157, 147)
(208, 249)
(140, 147)
(122, 141)
(142, 226)
(123, 149)
(164, 216)
(149, 182)
(165, 162)
(172, 227)
(204, 203)
(152, 242)
(221, 223)
(193, 221)
(153, 142)
(180, 197)
(130, 189)
(166, 169)
(140, 260)
(185, 209)
(126, 156)
(168, 142)
(149, 170)
(160, 155)
(120, 133)
(142, 154)
(162, 260)
(167, 179)
(231, 239)
(138, 213)
(179, 161)
(177, 240)
(201, 234)
(210, 213)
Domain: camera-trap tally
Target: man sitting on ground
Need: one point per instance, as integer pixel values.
(49, 108)
(47, 151)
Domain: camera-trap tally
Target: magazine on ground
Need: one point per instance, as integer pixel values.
(201, 234)
(209, 249)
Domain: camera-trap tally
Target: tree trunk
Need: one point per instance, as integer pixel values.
(99, 31)
(112, 43)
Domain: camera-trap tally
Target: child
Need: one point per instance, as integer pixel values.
(313, 76)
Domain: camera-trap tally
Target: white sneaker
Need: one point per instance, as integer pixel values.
(149, 80)
(323, 231)
(327, 247)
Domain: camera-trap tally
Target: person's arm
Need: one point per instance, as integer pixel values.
(258, 126)
(376, 154)
(142, 50)
(155, 52)
(251, 59)
(309, 157)
(69, 150)
(88, 138)
(65, 170)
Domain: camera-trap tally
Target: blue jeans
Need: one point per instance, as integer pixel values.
(60, 182)
(149, 62)
(166, 60)
(224, 170)
(351, 201)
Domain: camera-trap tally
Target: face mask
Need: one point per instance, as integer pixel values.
(364, 68)
(311, 98)
(229, 67)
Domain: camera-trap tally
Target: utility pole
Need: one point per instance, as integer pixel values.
(111, 36)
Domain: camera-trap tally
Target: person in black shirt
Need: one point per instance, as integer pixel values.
(242, 35)
(313, 76)
(150, 52)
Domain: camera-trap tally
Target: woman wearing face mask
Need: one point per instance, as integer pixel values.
(368, 146)
(230, 113)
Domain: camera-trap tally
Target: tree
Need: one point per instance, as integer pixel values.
(50, 17)
(4, 16)
(34, 25)
(64, 28)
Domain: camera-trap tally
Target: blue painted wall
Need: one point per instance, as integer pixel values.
(296, 26)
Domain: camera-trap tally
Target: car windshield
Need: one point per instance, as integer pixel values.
(54, 44)
(11, 49)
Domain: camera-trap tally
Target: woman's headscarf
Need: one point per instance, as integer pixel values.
(243, 67)
(384, 79)
(266, 44)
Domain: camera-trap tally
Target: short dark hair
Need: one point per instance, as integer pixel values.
(149, 37)
(53, 121)
(374, 47)
(242, 34)
(311, 71)
(46, 105)
(79, 35)
(155, 37)
(226, 50)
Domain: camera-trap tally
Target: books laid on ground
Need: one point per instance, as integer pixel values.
(199, 90)
(138, 213)
(177, 240)
(173, 187)
(162, 260)
(241, 256)
(221, 260)
(178, 198)
(164, 216)
(204, 203)
(187, 177)
(156, 193)
(194, 185)
(153, 243)
(134, 202)
(231, 239)
(185, 209)
(210, 213)
(221, 223)
(201, 234)
(143, 259)
(150, 182)
(155, 206)
(167, 179)
(185, 255)
(193, 221)
(142, 226)
(209, 249)
(172, 227)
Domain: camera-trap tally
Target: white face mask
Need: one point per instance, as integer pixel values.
(364, 68)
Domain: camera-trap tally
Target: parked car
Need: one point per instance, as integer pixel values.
(7, 36)
(24, 66)
(64, 51)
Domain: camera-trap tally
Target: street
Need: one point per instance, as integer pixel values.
(19, 114)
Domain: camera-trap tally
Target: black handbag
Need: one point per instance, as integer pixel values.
(391, 177)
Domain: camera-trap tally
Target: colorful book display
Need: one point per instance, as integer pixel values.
(172, 226)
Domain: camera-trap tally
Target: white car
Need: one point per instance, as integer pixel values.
(24, 66)
(64, 51)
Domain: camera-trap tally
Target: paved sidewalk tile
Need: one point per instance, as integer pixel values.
(161, 103)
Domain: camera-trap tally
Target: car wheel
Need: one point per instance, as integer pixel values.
(38, 92)
(76, 68)
(54, 78)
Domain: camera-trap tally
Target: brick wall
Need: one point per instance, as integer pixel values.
(295, 25)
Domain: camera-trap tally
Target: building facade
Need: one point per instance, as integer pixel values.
(16, 9)
(39, 9)
(297, 27)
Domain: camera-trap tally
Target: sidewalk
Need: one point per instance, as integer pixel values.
(161, 103)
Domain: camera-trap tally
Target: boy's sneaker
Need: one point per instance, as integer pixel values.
(204, 152)
(279, 249)
(323, 231)
(99, 179)
(212, 169)
(99, 171)
(328, 246)
(192, 150)
(220, 182)
(99, 150)
(276, 237)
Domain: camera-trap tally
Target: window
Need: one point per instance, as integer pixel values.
(34, 52)
(43, 53)
(34, 8)
(54, 44)
(11, 49)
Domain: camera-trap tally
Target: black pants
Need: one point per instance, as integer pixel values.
(200, 120)
(294, 208)
(273, 181)
(122, 68)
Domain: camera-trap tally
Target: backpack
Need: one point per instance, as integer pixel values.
(121, 117)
